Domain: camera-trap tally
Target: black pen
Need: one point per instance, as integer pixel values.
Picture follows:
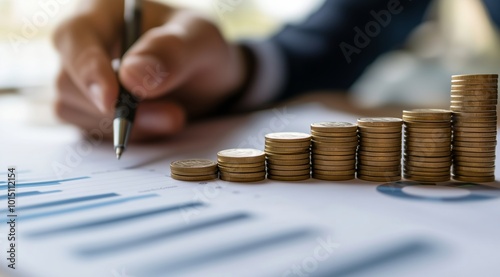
(127, 103)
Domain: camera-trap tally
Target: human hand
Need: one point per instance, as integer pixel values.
(180, 68)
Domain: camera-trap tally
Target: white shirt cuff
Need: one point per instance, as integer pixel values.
(269, 76)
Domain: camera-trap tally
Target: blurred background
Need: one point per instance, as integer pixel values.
(458, 37)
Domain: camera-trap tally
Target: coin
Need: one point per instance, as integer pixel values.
(381, 164)
(474, 169)
(412, 125)
(300, 156)
(474, 130)
(380, 122)
(242, 169)
(288, 162)
(304, 144)
(334, 140)
(468, 102)
(333, 177)
(379, 129)
(379, 154)
(288, 167)
(427, 159)
(289, 178)
(485, 179)
(432, 179)
(381, 141)
(474, 144)
(473, 154)
(285, 150)
(194, 166)
(334, 127)
(194, 178)
(288, 137)
(243, 175)
(475, 164)
(351, 144)
(379, 168)
(379, 179)
(480, 159)
(380, 135)
(333, 163)
(333, 135)
(333, 168)
(341, 152)
(379, 149)
(473, 124)
(242, 180)
(334, 173)
(276, 172)
(475, 76)
(428, 130)
(241, 155)
(351, 156)
(379, 173)
(428, 164)
(240, 165)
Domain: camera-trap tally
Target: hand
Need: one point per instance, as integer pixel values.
(180, 68)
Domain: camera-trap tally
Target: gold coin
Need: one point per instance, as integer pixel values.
(478, 98)
(485, 179)
(473, 109)
(333, 167)
(380, 154)
(194, 166)
(428, 139)
(284, 150)
(469, 102)
(333, 177)
(243, 175)
(289, 178)
(334, 149)
(388, 141)
(428, 130)
(379, 158)
(367, 148)
(334, 144)
(475, 82)
(379, 173)
(379, 168)
(333, 163)
(287, 156)
(288, 167)
(434, 113)
(470, 93)
(470, 119)
(241, 155)
(474, 124)
(334, 153)
(428, 136)
(384, 179)
(200, 173)
(476, 149)
(474, 76)
(487, 135)
(362, 163)
(474, 144)
(334, 127)
(460, 159)
(475, 130)
(385, 130)
(288, 137)
(471, 114)
(412, 125)
(457, 168)
(242, 169)
(473, 174)
(425, 171)
(334, 140)
(427, 153)
(475, 154)
(428, 164)
(380, 122)
(380, 135)
(304, 144)
(288, 162)
(428, 159)
(240, 165)
(194, 178)
(474, 164)
(334, 173)
(433, 179)
(428, 145)
(242, 180)
(288, 172)
(333, 135)
(317, 157)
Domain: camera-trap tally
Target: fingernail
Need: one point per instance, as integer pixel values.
(145, 71)
(97, 96)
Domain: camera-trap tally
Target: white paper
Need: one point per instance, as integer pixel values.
(216, 228)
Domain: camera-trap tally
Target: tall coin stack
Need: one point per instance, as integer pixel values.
(334, 146)
(379, 153)
(474, 105)
(242, 165)
(427, 149)
(288, 156)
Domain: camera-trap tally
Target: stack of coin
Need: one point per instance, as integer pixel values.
(379, 153)
(288, 156)
(334, 146)
(194, 170)
(474, 105)
(427, 150)
(242, 165)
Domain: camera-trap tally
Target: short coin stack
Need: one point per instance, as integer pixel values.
(288, 156)
(242, 165)
(334, 146)
(194, 170)
(474, 105)
(379, 153)
(427, 150)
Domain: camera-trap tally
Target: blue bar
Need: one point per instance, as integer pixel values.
(44, 183)
(64, 202)
(115, 220)
(166, 268)
(160, 236)
(29, 193)
(83, 208)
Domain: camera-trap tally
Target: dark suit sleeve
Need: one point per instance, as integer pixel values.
(332, 48)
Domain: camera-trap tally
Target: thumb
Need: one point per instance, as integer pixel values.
(156, 64)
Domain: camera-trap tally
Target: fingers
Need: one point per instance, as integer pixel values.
(154, 119)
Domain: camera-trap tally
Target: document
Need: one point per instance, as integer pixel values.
(77, 211)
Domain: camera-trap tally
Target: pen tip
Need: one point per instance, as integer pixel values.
(119, 151)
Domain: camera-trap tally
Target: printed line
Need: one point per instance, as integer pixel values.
(115, 220)
(160, 236)
(65, 202)
(44, 183)
(29, 193)
(166, 267)
(83, 208)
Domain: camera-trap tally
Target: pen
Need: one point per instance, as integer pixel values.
(126, 104)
